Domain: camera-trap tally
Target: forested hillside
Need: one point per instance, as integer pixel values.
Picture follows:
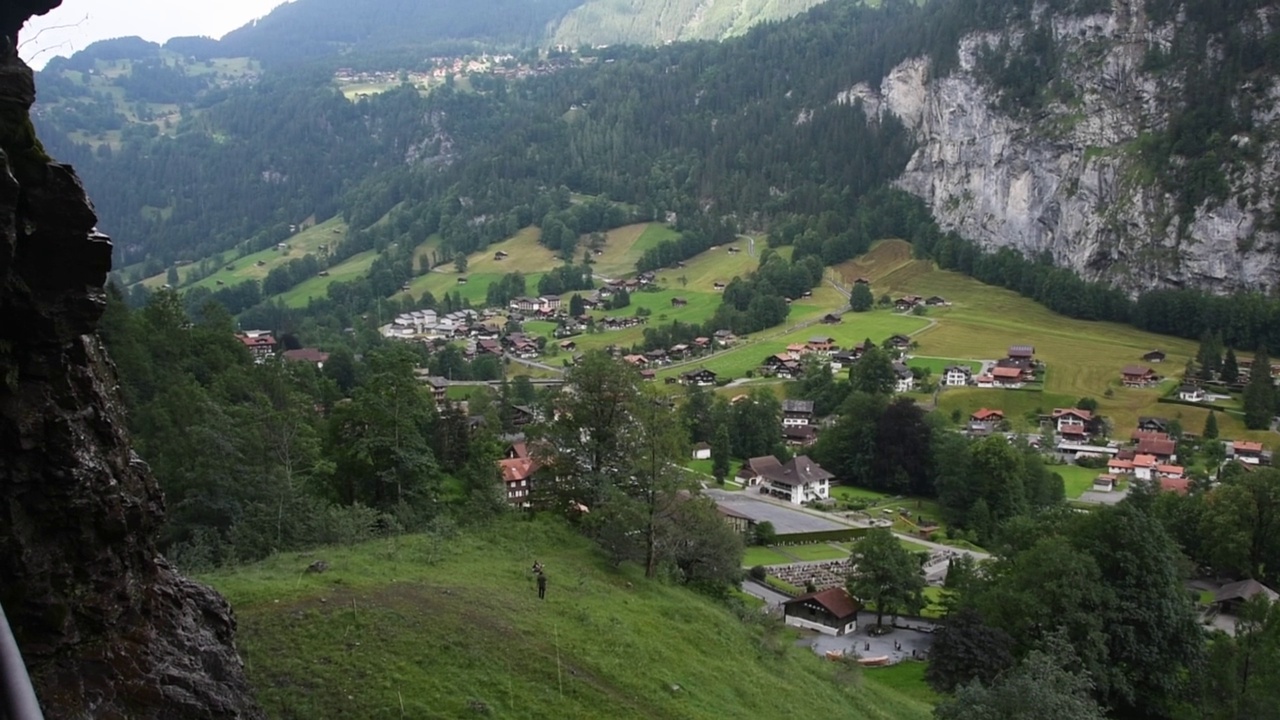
(651, 22)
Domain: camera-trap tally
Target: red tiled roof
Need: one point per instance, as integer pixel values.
(1006, 373)
(1136, 371)
(1170, 469)
(1180, 485)
(1151, 446)
(1082, 414)
(1243, 446)
(1140, 435)
(517, 469)
(1120, 465)
(835, 600)
(1148, 461)
(986, 414)
(311, 355)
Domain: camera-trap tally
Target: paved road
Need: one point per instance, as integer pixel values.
(789, 510)
(533, 364)
(771, 597)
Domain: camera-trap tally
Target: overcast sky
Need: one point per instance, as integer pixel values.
(155, 20)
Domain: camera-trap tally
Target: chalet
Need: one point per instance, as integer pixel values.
(439, 388)
(1104, 483)
(657, 357)
(647, 277)
(568, 345)
(500, 255)
(717, 286)
(822, 344)
(799, 436)
(462, 280)
(702, 342)
(261, 344)
(1144, 467)
(797, 350)
(309, 355)
(524, 304)
(678, 302)
(1231, 596)
(797, 413)
(1007, 377)
(904, 379)
(701, 377)
(1170, 472)
(898, 342)
(522, 415)
(862, 281)
(956, 376)
(678, 351)
(831, 319)
(904, 304)
(517, 449)
(635, 360)
(1072, 421)
(780, 365)
(1138, 376)
(1118, 466)
(1153, 424)
(935, 301)
(1161, 448)
(1181, 486)
(1021, 352)
(648, 375)
(1155, 356)
(1191, 393)
(985, 380)
(739, 522)
(724, 337)
(841, 360)
(548, 304)
(1249, 453)
(798, 481)
(733, 250)
(832, 611)
(702, 451)
(517, 478)
(985, 420)
(1137, 436)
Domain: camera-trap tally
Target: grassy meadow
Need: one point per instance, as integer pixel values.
(1083, 358)
(623, 247)
(353, 267)
(446, 628)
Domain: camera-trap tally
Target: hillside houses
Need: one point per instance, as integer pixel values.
(1138, 376)
(798, 481)
(261, 344)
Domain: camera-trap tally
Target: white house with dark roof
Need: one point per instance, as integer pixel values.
(797, 413)
(798, 481)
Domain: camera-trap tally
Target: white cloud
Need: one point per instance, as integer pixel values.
(78, 23)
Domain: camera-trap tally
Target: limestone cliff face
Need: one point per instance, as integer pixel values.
(108, 628)
(1066, 182)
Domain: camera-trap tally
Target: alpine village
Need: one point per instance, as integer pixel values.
(548, 359)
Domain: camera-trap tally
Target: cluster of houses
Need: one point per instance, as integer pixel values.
(1015, 370)
(789, 363)
(260, 343)
(457, 325)
(911, 302)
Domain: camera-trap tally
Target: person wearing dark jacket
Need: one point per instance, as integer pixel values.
(542, 586)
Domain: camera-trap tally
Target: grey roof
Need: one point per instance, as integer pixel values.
(1244, 590)
(797, 406)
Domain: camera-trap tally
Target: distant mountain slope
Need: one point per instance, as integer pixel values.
(652, 22)
(310, 28)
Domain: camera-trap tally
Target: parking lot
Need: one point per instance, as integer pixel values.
(784, 520)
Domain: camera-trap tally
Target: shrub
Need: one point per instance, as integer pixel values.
(758, 573)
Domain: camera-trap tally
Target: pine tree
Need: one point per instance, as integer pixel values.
(1210, 427)
(720, 449)
(1230, 367)
(1259, 394)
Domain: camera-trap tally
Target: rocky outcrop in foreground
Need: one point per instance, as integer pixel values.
(108, 628)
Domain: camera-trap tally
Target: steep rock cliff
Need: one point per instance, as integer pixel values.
(1067, 181)
(108, 628)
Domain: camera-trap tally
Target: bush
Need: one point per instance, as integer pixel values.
(758, 573)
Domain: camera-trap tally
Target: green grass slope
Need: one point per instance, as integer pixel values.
(408, 628)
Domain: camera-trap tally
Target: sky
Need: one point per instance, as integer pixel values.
(78, 23)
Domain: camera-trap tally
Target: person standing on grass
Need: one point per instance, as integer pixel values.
(542, 586)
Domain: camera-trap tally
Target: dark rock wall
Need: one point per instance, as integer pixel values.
(108, 628)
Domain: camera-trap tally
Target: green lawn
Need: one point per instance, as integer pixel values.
(408, 628)
(317, 287)
(524, 255)
(763, 556)
(906, 678)
(914, 546)
(246, 268)
(814, 551)
(1076, 479)
(849, 492)
(938, 366)
(623, 247)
